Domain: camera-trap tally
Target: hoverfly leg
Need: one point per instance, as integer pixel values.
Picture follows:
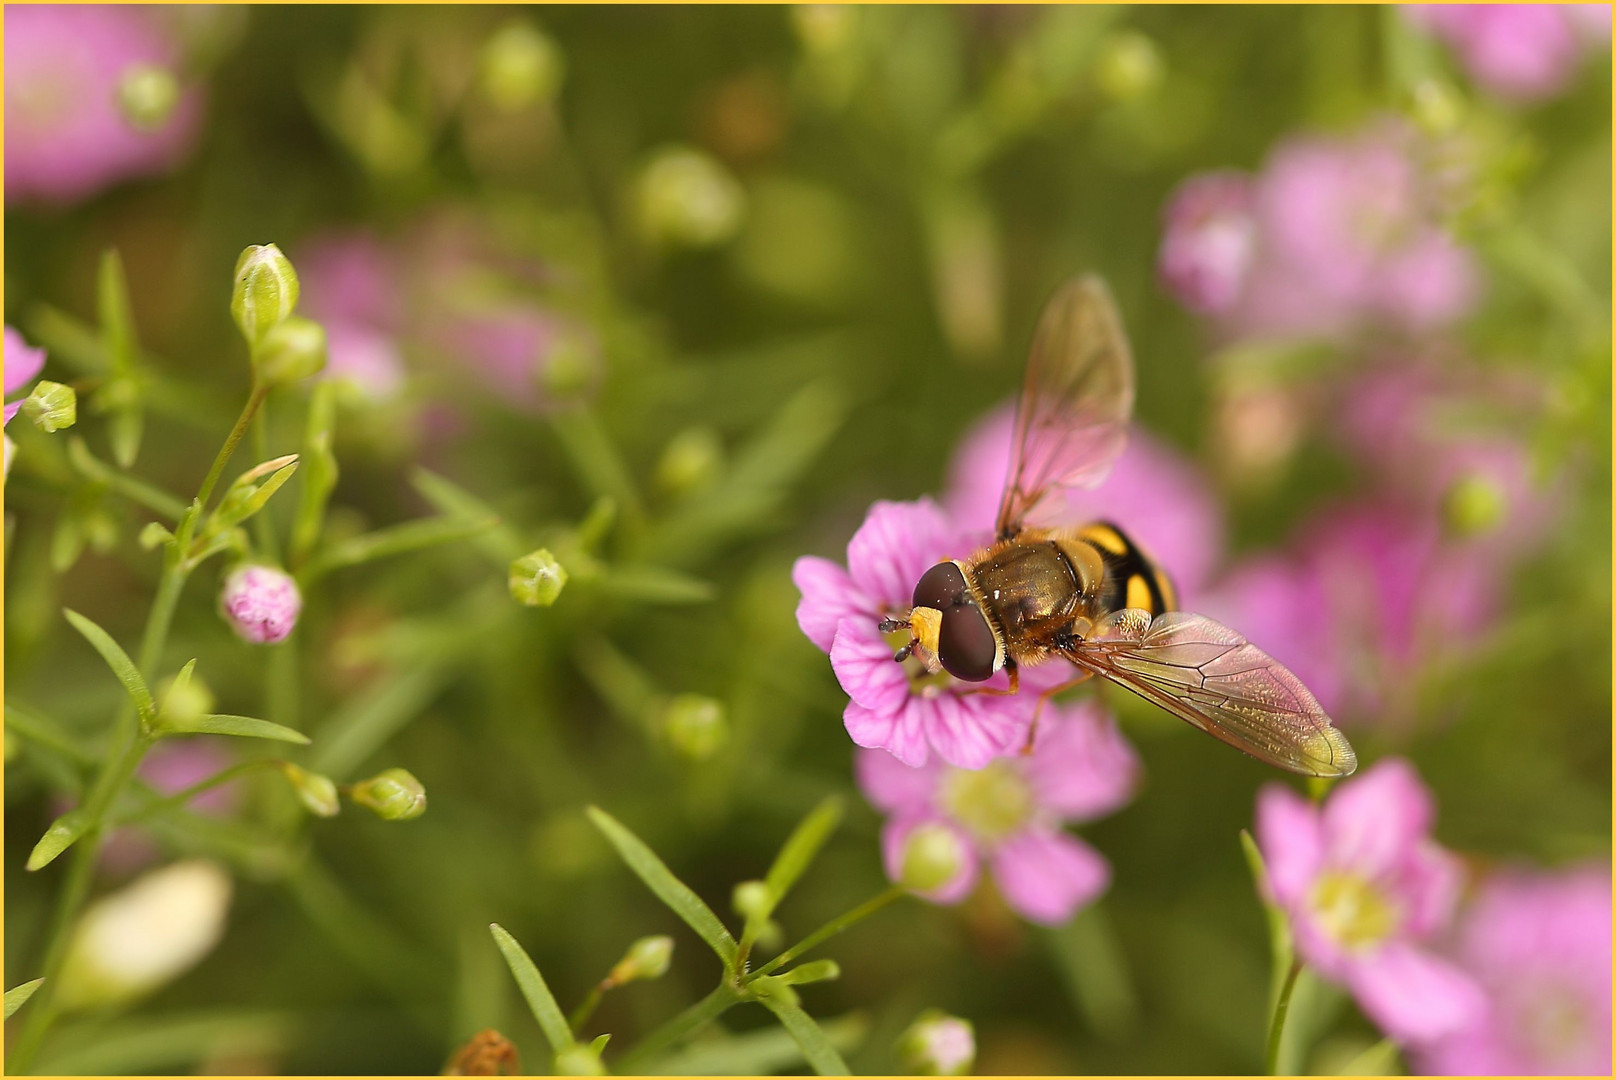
(1014, 687)
(1043, 699)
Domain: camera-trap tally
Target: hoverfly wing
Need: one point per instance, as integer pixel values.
(1207, 674)
(1072, 417)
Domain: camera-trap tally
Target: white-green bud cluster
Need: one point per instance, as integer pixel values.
(393, 795)
(537, 578)
(52, 406)
(265, 292)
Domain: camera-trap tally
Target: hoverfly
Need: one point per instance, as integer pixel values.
(1089, 594)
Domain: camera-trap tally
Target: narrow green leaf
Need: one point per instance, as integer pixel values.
(764, 1052)
(816, 1046)
(395, 540)
(595, 459)
(1378, 1059)
(669, 889)
(222, 724)
(539, 999)
(63, 833)
(116, 313)
(1279, 930)
(124, 430)
(137, 491)
(117, 660)
(19, 994)
(649, 584)
(801, 847)
(242, 501)
(502, 543)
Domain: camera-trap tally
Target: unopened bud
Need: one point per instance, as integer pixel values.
(579, 1059)
(294, 349)
(154, 535)
(688, 198)
(394, 795)
(812, 972)
(1473, 505)
(1129, 66)
(260, 603)
(52, 406)
(147, 96)
(537, 578)
(265, 291)
(691, 461)
(753, 900)
(696, 726)
(185, 698)
(933, 856)
(937, 1044)
(317, 793)
(647, 958)
(521, 66)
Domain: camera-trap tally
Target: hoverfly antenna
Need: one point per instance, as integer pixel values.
(903, 654)
(890, 624)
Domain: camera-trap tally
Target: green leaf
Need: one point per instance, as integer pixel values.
(815, 1043)
(669, 889)
(223, 724)
(395, 540)
(501, 543)
(118, 337)
(19, 994)
(244, 499)
(137, 491)
(63, 833)
(649, 584)
(1279, 929)
(595, 459)
(764, 1052)
(801, 847)
(118, 661)
(534, 988)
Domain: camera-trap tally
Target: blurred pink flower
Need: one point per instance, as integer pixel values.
(23, 363)
(902, 708)
(1521, 52)
(1364, 889)
(364, 358)
(1540, 945)
(168, 768)
(1209, 239)
(1156, 496)
(1011, 812)
(65, 136)
(350, 282)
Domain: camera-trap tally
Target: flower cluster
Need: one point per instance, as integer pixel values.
(1520, 52)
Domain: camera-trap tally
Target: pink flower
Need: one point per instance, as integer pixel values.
(364, 358)
(23, 363)
(65, 138)
(1521, 52)
(1209, 240)
(260, 603)
(1156, 496)
(169, 768)
(350, 282)
(1010, 813)
(1364, 888)
(1540, 945)
(903, 708)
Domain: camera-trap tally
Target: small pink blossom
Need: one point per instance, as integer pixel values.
(1365, 889)
(902, 708)
(363, 358)
(65, 137)
(260, 603)
(1540, 946)
(351, 283)
(1521, 52)
(23, 363)
(1156, 496)
(1209, 240)
(1010, 814)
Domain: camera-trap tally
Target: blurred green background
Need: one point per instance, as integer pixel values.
(912, 183)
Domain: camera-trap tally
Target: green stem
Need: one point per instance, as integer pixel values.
(248, 411)
(586, 1008)
(263, 532)
(829, 930)
(180, 798)
(1276, 1027)
(686, 1023)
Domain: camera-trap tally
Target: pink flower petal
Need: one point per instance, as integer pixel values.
(1291, 840)
(970, 730)
(862, 660)
(894, 787)
(12, 410)
(23, 362)
(1376, 820)
(897, 543)
(1047, 875)
(1429, 885)
(897, 830)
(1081, 766)
(1412, 995)
(828, 596)
(898, 732)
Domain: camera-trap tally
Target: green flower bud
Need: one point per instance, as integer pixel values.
(1129, 66)
(1473, 505)
(394, 795)
(647, 958)
(185, 698)
(536, 579)
(812, 972)
(932, 857)
(265, 292)
(937, 1044)
(521, 67)
(294, 349)
(317, 793)
(692, 460)
(775, 986)
(688, 198)
(753, 900)
(52, 406)
(696, 726)
(154, 535)
(579, 1060)
(147, 96)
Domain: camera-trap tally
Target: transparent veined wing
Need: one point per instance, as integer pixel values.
(1072, 417)
(1207, 674)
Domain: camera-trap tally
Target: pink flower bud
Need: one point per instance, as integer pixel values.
(1209, 242)
(260, 603)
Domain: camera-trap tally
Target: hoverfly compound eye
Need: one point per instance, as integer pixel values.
(966, 646)
(941, 587)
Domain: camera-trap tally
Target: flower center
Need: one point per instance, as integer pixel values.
(1351, 910)
(991, 803)
(921, 681)
(1553, 1023)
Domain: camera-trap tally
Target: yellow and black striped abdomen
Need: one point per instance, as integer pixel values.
(1132, 578)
